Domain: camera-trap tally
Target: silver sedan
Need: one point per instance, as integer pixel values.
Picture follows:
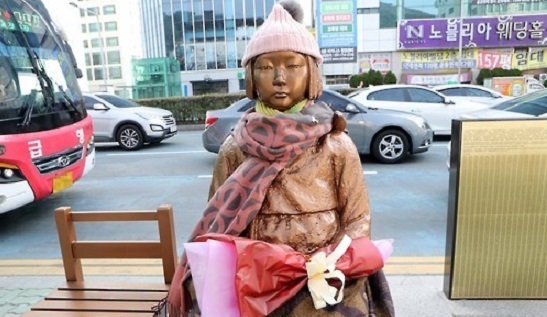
(390, 136)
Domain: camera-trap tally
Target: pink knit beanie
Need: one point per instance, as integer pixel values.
(280, 32)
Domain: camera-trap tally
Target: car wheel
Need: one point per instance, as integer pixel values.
(390, 146)
(130, 137)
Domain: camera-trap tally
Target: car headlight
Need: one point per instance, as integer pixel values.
(90, 145)
(10, 175)
(149, 116)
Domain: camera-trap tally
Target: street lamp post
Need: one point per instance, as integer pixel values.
(460, 44)
(101, 39)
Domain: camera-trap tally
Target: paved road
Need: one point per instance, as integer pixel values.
(409, 203)
(408, 200)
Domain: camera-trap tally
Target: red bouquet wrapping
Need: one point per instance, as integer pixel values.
(268, 275)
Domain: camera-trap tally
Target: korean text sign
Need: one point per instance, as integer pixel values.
(524, 59)
(336, 30)
(498, 31)
(442, 59)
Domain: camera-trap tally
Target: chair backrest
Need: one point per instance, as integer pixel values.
(73, 249)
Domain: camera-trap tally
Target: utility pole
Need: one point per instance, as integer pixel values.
(460, 44)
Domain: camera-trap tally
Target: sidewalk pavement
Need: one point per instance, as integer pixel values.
(413, 296)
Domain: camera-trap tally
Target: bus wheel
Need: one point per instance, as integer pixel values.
(130, 137)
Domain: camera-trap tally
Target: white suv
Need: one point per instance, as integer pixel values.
(116, 119)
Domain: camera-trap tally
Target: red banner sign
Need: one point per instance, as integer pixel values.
(492, 60)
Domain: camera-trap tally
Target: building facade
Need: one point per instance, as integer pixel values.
(155, 78)
(111, 34)
(383, 42)
(208, 39)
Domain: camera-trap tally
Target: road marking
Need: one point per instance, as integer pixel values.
(155, 153)
(153, 267)
(205, 176)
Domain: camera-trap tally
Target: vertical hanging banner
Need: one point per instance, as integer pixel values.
(336, 25)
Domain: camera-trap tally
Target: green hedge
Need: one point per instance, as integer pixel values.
(190, 110)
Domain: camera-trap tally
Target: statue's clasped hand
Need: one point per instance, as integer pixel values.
(321, 267)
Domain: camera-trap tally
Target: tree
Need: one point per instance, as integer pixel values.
(354, 81)
(390, 78)
(483, 73)
(545, 83)
(365, 79)
(499, 72)
(375, 77)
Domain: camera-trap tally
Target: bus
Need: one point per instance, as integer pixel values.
(46, 136)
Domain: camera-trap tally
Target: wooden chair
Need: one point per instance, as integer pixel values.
(85, 299)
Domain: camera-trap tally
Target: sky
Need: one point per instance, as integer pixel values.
(306, 6)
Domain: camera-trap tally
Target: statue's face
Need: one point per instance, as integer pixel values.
(281, 79)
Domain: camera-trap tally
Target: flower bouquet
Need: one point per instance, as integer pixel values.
(235, 276)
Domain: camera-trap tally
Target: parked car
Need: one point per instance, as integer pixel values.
(480, 94)
(531, 105)
(116, 119)
(435, 107)
(388, 135)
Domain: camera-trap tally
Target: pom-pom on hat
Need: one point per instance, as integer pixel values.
(281, 32)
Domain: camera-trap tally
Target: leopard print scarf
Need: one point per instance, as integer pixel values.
(270, 143)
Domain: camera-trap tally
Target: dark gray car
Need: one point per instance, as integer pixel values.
(386, 134)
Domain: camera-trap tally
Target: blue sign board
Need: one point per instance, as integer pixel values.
(336, 29)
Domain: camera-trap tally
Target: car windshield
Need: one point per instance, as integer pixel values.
(355, 93)
(119, 102)
(534, 103)
(37, 81)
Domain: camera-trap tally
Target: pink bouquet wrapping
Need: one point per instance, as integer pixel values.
(229, 279)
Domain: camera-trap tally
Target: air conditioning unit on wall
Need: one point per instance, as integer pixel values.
(542, 78)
